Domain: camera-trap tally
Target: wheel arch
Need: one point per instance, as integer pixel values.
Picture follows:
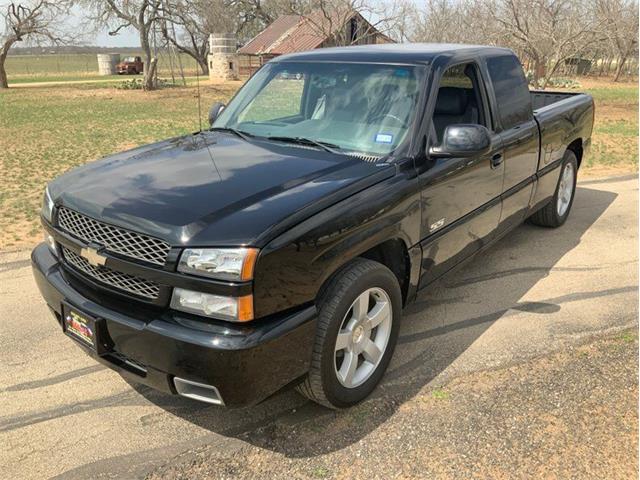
(576, 146)
(393, 253)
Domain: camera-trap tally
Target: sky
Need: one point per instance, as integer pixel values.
(125, 38)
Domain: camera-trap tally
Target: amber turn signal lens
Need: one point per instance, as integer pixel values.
(249, 264)
(245, 308)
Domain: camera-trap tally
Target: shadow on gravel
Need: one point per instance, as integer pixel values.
(444, 321)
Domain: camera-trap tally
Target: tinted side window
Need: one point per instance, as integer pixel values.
(512, 94)
(459, 99)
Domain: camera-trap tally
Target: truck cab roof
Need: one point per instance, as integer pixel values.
(408, 53)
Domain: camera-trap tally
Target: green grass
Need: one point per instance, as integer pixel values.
(71, 77)
(320, 472)
(615, 133)
(616, 94)
(623, 128)
(440, 394)
(55, 64)
(47, 131)
(102, 80)
(628, 337)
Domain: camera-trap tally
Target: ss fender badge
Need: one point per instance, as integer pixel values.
(92, 256)
(436, 225)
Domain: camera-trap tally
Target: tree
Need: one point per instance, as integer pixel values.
(549, 32)
(551, 37)
(37, 21)
(141, 15)
(192, 18)
(619, 19)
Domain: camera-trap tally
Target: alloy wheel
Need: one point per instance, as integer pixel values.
(363, 337)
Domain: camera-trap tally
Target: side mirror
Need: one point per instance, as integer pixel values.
(215, 111)
(463, 140)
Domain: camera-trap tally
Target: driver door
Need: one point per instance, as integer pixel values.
(460, 196)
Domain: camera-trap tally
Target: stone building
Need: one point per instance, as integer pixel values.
(223, 57)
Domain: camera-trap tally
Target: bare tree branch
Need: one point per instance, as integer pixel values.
(37, 21)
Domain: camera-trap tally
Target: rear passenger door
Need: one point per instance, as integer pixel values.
(460, 196)
(519, 133)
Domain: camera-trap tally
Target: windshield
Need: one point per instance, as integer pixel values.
(353, 107)
(129, 59)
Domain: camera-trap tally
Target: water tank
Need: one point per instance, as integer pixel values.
(107, 63)
(222, 43)
(223, 58)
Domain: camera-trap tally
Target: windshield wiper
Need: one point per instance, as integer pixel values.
(329, 147)
(239, 133)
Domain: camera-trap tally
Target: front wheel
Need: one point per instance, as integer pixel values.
(556, 212)
(358, 323)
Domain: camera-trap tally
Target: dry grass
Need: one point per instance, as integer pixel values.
(46, 131)
(615, 136)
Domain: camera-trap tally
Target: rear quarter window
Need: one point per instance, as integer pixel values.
(510, 87)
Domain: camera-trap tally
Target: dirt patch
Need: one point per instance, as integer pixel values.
(568, 415)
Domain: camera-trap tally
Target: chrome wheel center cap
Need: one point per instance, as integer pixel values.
(358, 334)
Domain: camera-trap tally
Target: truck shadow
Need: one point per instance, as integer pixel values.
(437, 329)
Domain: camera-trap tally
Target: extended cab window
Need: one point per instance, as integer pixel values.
(510, 86)
(459, 99)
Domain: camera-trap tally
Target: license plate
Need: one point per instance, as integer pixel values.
(81, 327)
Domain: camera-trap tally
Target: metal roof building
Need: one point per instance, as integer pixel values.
(296, 33)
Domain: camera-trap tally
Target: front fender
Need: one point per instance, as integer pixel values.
(293, 267)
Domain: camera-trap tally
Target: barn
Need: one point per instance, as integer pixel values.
(296, 33)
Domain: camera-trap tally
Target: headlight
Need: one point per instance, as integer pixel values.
(220, 263)
(47, 206)
(235, 309)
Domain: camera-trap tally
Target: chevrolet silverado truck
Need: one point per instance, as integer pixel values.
(279, 247)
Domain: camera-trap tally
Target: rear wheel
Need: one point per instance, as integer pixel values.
(358, 324)
(556, 212)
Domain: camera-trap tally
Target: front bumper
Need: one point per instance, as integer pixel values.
(246, 363)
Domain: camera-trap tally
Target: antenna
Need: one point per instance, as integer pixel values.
(199, 103)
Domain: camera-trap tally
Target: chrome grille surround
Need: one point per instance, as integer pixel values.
(114, 239)
(119, 280)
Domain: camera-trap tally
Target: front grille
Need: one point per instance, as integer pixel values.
(114, 239)
(122, 281)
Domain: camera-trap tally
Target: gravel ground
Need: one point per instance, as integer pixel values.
(567, 415)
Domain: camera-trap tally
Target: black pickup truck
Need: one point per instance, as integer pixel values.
(279, 247)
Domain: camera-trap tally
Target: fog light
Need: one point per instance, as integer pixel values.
(235, 309)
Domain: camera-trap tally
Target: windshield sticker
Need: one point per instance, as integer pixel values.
(384, 138)
(401, 72)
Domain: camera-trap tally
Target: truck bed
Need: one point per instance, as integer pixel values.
(561, 116)
(542, 98)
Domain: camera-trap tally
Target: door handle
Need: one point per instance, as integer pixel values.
(496, 160)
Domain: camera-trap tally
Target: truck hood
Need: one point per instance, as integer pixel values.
(212, 188)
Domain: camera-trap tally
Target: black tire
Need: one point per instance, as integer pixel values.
(321, 383)
(548, 215)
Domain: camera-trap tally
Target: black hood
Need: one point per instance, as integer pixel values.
(210, 188)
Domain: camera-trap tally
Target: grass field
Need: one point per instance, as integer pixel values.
(50, 68)
(45, 131)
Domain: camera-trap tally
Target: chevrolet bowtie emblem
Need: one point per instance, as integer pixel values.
(92, 256)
